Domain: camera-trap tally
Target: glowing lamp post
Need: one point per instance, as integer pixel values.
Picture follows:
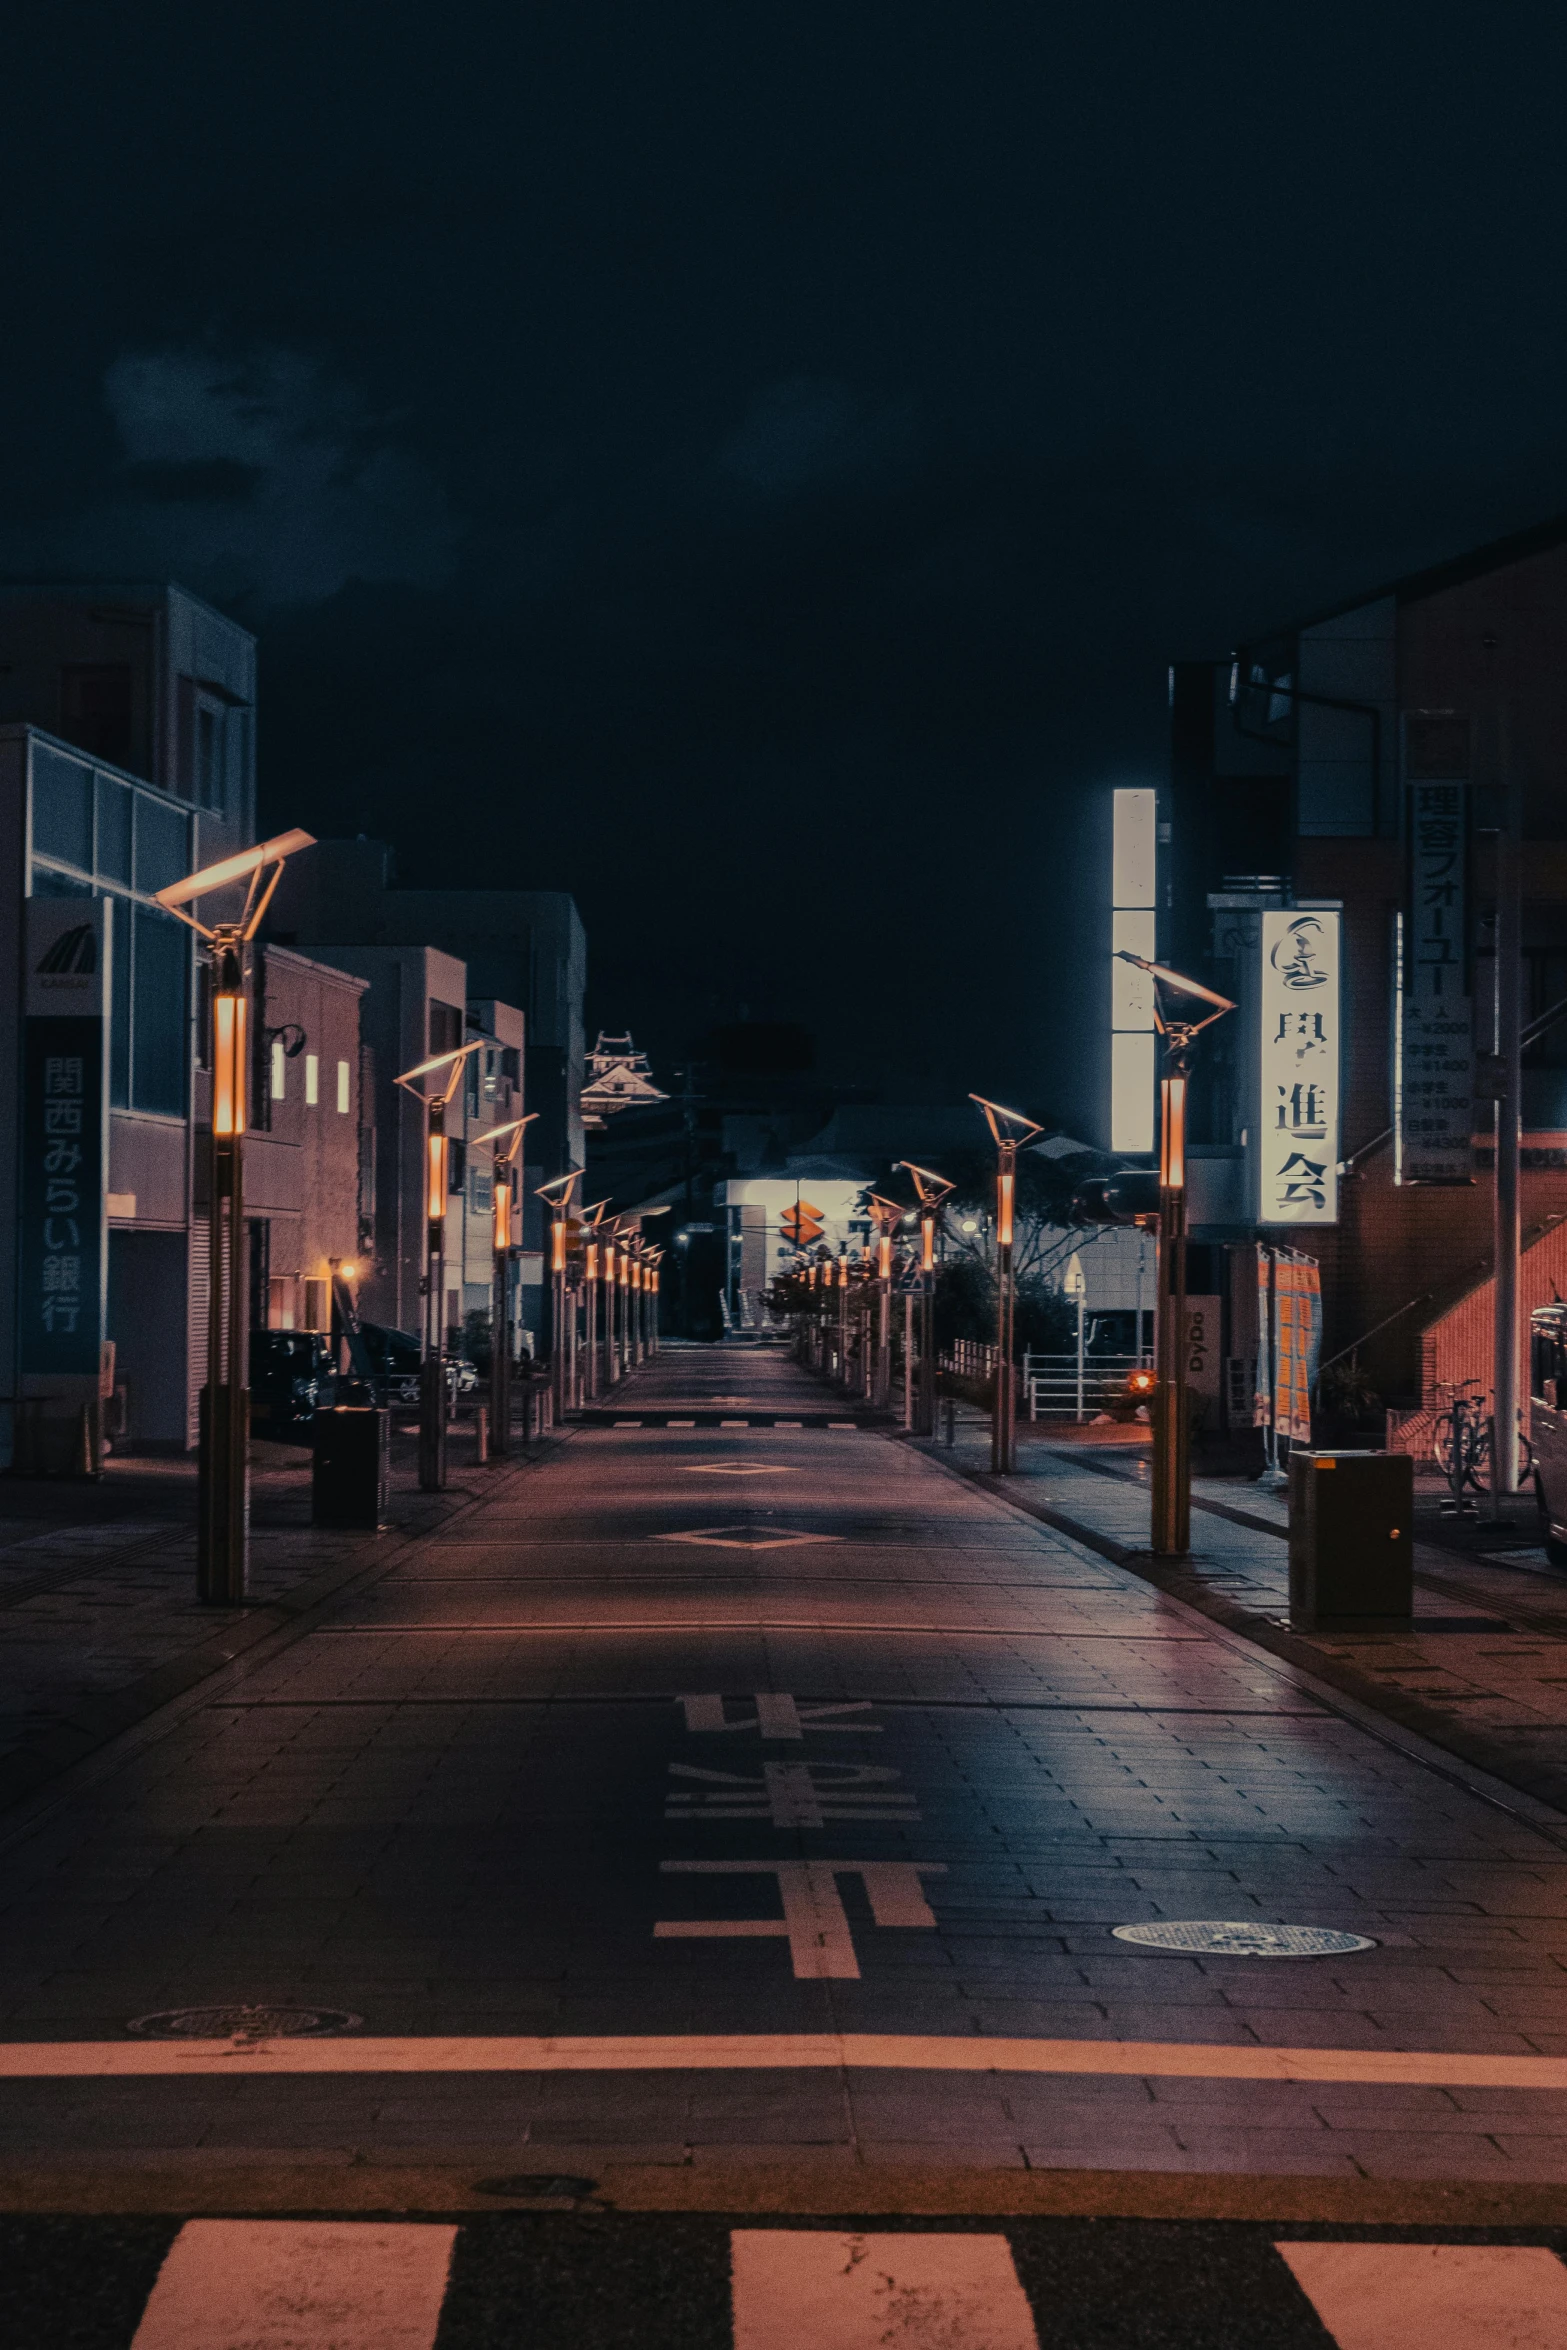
(558, 1195)
(223, 1492)
(505, 1205)
(932, 1190)
(432, 1374)
(1008, 1130)
(1172, 1471)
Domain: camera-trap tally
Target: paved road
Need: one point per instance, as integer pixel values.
(748, 1795)
(706, 2283)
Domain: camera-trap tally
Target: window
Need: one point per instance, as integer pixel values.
(162, 844)
(312, 1080)
(445, 1028)
(277, 1085)
(344, 1103)
(456, 1166)
(62, 809)
(158, 1012)
(95, 710)
(115, 802)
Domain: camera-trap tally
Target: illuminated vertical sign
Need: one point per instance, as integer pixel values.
(64, 1136)
(1434, 1077)
(1298, 1141)
(1133, 926)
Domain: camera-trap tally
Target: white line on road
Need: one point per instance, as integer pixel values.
(792, 2286)
(1433, 2296)
(780, 2052)
(298, 2285)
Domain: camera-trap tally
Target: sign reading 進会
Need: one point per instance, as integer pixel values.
(1297, 1149)
(64, 1128)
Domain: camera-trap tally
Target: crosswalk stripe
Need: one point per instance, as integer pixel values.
(794, 2288)
(298, 2285)
(1434, 2296)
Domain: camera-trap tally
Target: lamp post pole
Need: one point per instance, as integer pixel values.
(932, 1190)
(1008, 1128)
(432, 1378)
(1172, 1475)
(558, 1193)
(223, 1461)
(223, 1542)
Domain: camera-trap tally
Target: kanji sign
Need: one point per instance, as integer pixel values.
(1297, 1144)
(1434, 1095)
(64, 1140)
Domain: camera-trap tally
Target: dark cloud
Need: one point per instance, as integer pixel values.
(752, 468)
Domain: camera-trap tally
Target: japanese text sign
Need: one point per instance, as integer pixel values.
(1436, 1078)
(64, 1139)
(1297, 1149)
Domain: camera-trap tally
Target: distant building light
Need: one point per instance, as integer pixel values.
(1133, 927)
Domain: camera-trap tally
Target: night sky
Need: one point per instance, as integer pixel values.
(749, 465)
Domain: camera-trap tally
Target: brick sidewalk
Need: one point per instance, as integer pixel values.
(1483, 1675)
(102, 1625)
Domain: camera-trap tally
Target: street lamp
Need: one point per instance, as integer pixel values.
(506, 1211)
(223, 1461)
(1008, 1129)
(432, 1375)
(888, 1214)
(592, 1218)
(933, 1191)
(1172, 1469)
(558, 1195)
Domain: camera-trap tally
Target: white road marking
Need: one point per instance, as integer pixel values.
(1434, 2296)
(277, 2284)
(851, 1425)
(814, 1920)
(793, 2287)
(1153, 2060)
(794, 1794)
(777, 1716)
(739, 1469)
(628, 1423)
(732, 1539)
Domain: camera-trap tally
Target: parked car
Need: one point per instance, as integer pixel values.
(1548, 1425)
(394, 1359)
(291, 1376)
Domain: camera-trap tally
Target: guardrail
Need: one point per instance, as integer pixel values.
(1073, 1387)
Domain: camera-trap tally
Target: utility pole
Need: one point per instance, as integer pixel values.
(1509, 1120)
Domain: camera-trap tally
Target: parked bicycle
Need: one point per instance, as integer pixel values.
(1462, 1443)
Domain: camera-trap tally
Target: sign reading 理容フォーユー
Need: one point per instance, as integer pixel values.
(1434, 1097)
(64, 1132)
(1296, 1152)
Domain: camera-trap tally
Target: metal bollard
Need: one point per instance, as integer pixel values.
(951, 1435)
(481, 1429)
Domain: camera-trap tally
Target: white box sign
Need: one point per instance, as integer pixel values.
(1298, 1142)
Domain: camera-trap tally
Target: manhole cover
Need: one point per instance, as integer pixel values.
(536, 2184)
(244, 2023)
(1224, 1939)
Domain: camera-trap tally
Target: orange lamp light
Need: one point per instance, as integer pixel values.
(436, 1205)
(1005, 1184)
(502, 1216)
(228, 1064)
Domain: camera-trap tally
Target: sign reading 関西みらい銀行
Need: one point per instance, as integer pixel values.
(63, 1125)
(1434, 1096)
(1297, 1146)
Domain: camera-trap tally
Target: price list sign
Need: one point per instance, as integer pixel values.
(64, 1140)
(1436, 1077)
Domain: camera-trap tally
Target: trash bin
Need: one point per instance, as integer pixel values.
(1352, 1551)
(351, 1452)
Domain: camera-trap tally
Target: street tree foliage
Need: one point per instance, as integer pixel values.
(1044, 1234)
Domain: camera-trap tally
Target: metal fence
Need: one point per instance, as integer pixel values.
(1076, 1387)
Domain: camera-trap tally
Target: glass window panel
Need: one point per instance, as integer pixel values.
(62, 808)
(1135, 854)
(1131, 1092)
(120, 1004)
(159, 1031)
(47, 884)
(114, 829)
(1131, 990)
(162, 843)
